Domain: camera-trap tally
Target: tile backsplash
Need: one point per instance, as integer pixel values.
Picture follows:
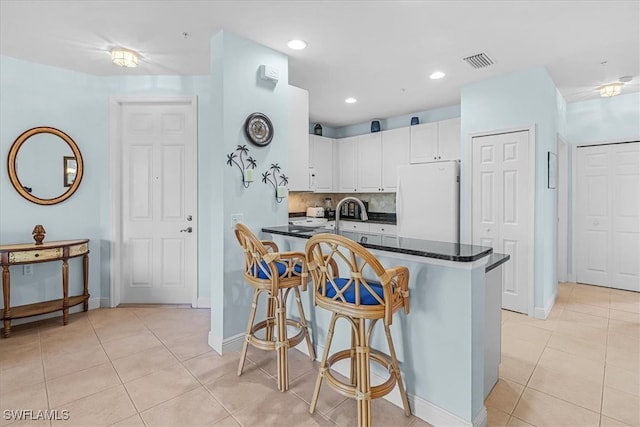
(378, 202)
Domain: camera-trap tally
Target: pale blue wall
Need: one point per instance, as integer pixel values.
(604, 119)
(521, 99)
(237, 92)
(36, 95)
(395, 122)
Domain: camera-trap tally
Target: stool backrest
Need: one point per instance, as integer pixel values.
(264, 265)
(365, 289)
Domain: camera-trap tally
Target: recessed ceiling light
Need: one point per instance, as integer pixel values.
(350, 100)
(297, 44)
(437, 75)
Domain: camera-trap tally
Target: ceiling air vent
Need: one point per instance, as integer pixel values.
(480, 60)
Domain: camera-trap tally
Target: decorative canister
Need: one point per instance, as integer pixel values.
(375, 126)
(415, 121)
(317, 129)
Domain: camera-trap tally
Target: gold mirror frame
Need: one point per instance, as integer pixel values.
(13, 155)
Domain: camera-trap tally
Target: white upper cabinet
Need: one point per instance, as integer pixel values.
(321, 162)
(395, 152)
(369, 152)
(436, 141)
(369, 163)
(301, 175)
(449, 139)
(424, 142)
(348, 161)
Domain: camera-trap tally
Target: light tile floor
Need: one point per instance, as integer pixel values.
(151, 366)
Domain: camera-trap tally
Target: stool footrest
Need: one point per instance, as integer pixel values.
(349, 390)
(271, 344)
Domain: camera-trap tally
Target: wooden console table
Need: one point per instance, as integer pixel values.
(30, 253)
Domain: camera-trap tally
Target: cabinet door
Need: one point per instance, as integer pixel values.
(395, 152)
(349, 235)
(388, 240)
(370, 163)
(321, 160)
(347, 149)
(371, 238)
(449, 139)
(298, 139)
(424, 143)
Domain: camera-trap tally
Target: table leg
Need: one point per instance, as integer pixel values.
(65, 292)
(85, 270)
(6, 289)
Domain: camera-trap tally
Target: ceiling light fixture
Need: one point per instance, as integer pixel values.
(611, 89)
(124, 57)
(350, 100)
(297, 44)
(437, 75)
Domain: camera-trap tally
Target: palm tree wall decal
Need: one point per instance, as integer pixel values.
(237, 158)
(278, 180)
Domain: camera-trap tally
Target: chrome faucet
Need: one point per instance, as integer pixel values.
(363, 210)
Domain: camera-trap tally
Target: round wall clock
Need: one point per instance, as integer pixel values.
(259, 129)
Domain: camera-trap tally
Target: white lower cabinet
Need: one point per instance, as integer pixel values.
(371, 238)
(372, 233)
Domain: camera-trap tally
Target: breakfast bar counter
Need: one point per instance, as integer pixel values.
(449, 344)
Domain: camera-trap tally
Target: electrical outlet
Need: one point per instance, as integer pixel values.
(27, 269)
(236, 219)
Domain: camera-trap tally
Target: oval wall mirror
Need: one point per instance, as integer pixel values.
(45, 165)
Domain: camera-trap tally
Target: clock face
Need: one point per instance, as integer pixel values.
(259, 129)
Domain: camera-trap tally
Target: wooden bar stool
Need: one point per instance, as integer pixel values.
(275, 274)
(367, 291)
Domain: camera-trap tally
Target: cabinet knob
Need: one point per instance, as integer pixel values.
(435, 158)
(187, 230)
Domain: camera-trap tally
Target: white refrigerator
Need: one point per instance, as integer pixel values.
(428, 200)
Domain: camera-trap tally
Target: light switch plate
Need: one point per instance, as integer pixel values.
(236, 219)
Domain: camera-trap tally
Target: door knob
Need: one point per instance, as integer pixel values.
(187, 230)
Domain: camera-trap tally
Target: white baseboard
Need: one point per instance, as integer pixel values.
(215, 343)
(203, 303)
(227, 345)
(543, 313)
(420, 407)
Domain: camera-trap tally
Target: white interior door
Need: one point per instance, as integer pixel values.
(608, 215)
(501, 211)
(159, 170)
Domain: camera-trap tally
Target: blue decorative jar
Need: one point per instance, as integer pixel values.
(375, 126)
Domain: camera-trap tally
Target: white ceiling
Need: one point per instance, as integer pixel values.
(380, 52)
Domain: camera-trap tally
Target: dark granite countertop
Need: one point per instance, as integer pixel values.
(496, 260)
(424, 248)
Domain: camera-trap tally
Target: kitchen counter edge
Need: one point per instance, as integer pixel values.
(422, 248)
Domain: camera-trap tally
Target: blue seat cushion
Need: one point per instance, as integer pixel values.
(366, 298)
(282, 268)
